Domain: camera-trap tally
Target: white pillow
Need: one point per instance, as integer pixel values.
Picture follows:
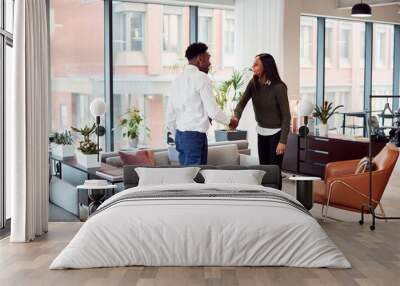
(166, 176)
(248, 177)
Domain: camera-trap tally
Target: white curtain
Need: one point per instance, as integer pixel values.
(27, 123)
(259, 29)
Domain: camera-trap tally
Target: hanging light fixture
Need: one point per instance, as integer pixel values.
(361, 10)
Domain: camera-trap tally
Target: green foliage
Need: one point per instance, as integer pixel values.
(230, 91)
(130, 122)
(86, 146)
(64, 138)
(325, 112)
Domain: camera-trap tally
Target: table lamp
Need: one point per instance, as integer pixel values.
(98, 108)
(304, 109)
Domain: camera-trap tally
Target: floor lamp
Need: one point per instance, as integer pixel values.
(98, 108)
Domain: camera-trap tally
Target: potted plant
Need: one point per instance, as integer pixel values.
(228, 95)
(86, 154)
(323, 113)
(62, 144)
(131, 123)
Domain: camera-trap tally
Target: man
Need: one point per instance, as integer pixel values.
(191, 106)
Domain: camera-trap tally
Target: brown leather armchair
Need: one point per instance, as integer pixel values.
(349, 191)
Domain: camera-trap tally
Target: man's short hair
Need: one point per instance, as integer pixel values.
(195, 49)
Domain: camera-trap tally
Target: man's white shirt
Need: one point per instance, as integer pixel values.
(191, 102)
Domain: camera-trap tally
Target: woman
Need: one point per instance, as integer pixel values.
(271, 106)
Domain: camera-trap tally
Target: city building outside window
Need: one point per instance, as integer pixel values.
(172, 32)
(136, 31)
(306, 43)
(149, 42)
(380, 49)
(308, 58)
(228, 38)
(229, 35)
(382, 72)
(362, 46)
(329, 44)
(345, 44)
(129, 31)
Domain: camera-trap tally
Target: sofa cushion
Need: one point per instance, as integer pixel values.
(223, 155)
(141, 157)
(241, 144)
(114, 161)
(161, 158)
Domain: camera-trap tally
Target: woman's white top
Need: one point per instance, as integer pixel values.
(267, 131)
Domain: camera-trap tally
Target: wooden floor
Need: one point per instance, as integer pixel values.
(375, 257)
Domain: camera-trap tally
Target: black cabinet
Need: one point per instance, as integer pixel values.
(310, 155)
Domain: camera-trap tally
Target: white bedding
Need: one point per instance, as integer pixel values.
(200, 231)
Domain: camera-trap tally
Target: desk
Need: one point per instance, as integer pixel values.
(361, 114)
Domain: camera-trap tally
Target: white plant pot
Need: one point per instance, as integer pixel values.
(62, 151)
(133, 143)
(323, 130)
(87, 161)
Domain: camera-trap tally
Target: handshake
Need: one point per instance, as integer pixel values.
(233, 123)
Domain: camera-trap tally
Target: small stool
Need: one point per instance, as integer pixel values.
(304, 190)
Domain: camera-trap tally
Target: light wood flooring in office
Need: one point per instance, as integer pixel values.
(375, 257)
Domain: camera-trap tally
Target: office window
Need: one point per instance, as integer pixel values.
(362, 46)
(344, 83)
(6, 65)
(143, 79)
(9, 15)
(229, 35)
(345, 43)
(308, 58)
(380, 48)
(77, 61)
(8, 90)
(306, 43)
(64, 117)
(205, 30)
(329, 44)
(136, 31)
(172, 30)
(119, 32)
(216, 28)
(382, 73)
(129, 31)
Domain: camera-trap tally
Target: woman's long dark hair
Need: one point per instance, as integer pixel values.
(270, 69)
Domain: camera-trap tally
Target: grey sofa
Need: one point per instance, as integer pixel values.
(218, 154)
(272, 177)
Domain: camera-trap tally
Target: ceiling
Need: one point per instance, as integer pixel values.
(346, 4)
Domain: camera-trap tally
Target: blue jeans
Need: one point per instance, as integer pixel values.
(192, 147)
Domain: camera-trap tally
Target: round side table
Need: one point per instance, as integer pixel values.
(304, 190)
(95, 195)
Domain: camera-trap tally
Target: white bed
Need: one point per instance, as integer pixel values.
(202, 231)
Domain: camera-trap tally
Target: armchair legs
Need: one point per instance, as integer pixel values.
(326, 206)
